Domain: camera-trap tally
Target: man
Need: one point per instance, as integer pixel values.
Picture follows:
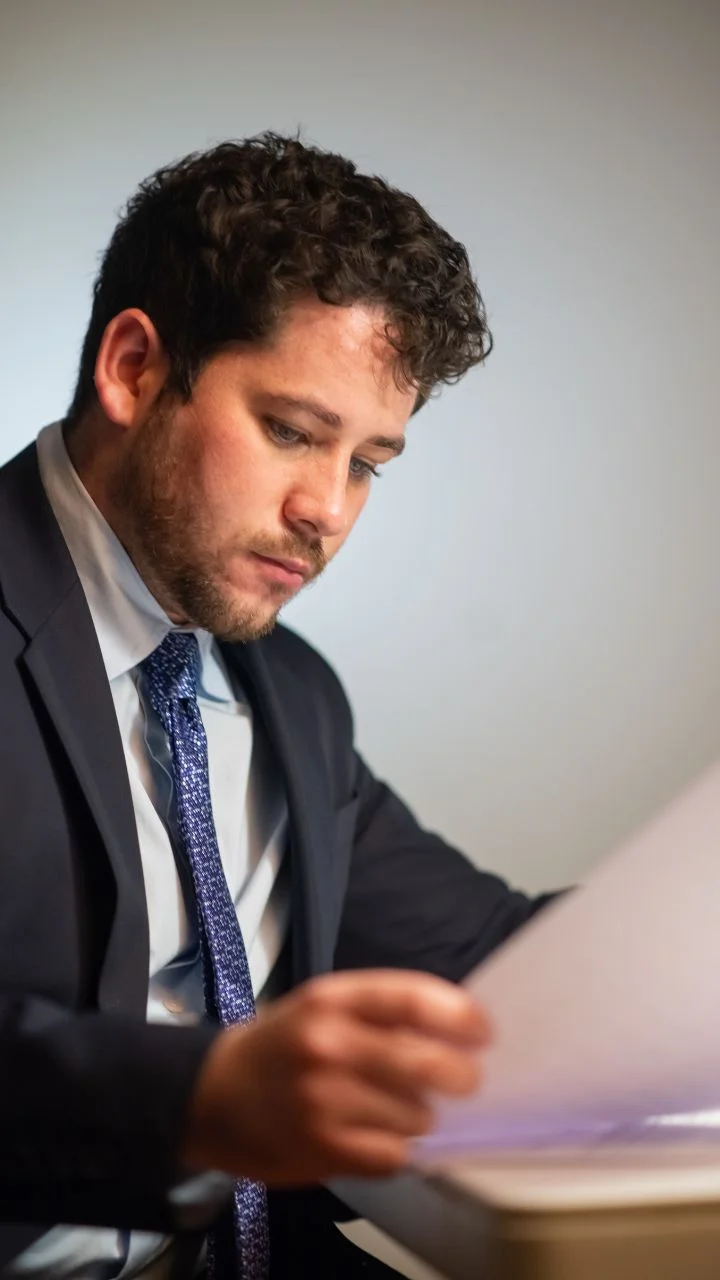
(189, 836)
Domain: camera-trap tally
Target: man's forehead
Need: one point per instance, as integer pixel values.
(335, 358)
(354, 325)
(355, 336)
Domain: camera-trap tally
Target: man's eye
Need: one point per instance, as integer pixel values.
(282, 434)
(360, 470)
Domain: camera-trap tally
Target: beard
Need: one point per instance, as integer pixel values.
(168, 536)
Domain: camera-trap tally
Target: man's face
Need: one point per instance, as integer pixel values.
(229, 504)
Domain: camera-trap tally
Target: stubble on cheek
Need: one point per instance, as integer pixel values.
(189, 559)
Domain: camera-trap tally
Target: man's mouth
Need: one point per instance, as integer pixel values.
(289, 572)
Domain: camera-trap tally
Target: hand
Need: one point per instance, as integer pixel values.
(333, 1079)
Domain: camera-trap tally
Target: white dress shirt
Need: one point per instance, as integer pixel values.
(249, 811)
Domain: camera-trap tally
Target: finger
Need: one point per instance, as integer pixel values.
(364, 1153)
(369, 1154)
(418, 1065)
(398, 997)
(340, 1101)
(405, 1063)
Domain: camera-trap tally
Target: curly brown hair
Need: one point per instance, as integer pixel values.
(215, 247)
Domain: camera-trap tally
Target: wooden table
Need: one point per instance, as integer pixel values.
(613, 1212)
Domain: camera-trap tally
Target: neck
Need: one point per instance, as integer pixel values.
(88, 450)
(93, 454)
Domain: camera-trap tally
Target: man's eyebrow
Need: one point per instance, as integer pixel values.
(394, 444)
(311, 406)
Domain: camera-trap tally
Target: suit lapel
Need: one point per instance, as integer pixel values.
(43, 594)
(285, 710)
(62, 659)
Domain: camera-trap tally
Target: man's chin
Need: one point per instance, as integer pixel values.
(242, 626)
(228, 613)
(255, 631)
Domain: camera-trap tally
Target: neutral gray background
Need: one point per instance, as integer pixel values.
(528, 615)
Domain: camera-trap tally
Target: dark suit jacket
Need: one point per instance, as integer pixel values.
(92, 1099)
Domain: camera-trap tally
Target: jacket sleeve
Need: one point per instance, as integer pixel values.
(415, 902)
(92, 1107)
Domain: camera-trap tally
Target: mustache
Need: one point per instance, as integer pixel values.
(292, 547)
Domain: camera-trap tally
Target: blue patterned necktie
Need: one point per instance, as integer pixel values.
(170, 677)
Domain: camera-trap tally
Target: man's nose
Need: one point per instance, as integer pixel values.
(317, 505)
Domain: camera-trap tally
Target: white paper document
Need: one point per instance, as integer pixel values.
(606, 1008)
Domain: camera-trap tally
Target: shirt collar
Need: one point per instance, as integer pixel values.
(128, 619)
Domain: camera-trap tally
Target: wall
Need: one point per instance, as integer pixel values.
(528, 616)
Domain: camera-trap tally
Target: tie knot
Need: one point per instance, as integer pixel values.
(171, 670)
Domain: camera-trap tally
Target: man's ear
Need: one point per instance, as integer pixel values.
(131, 368)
